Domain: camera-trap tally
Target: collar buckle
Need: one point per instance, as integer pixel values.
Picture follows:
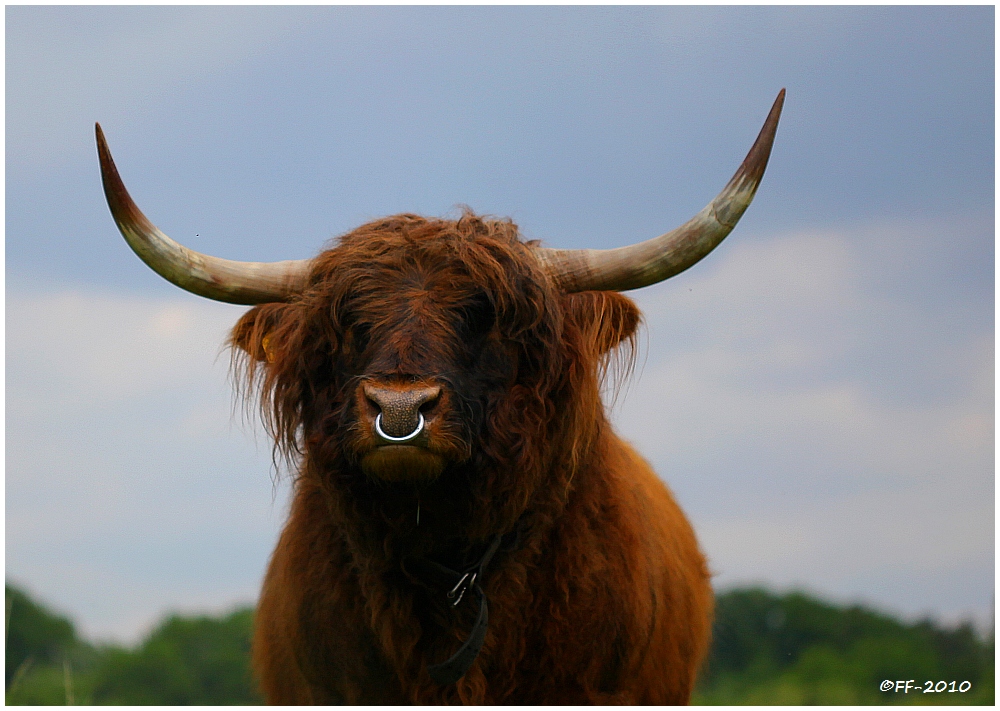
(463, 584)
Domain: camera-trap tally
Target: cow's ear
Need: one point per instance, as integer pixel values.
(606, 318)
(256, 331)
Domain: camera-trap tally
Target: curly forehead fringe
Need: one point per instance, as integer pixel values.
(488, 251)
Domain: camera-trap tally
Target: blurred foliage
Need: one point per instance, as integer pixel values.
(768, 650)
(794, 649)
(184, 661)
(45, 662)
(34, 635)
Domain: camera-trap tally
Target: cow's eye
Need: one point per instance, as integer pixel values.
(357, 336)
(479, 315)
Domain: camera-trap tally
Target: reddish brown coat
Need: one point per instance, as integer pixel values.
(606, 598)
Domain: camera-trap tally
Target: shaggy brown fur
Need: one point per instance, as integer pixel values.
(606, 597)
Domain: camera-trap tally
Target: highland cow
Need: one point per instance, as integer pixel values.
(465, 525)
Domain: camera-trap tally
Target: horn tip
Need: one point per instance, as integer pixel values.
(779, 102)
(123, 208)
(754, 164)
(103, 152)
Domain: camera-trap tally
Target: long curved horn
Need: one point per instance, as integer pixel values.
(220, 279)
(662, 257)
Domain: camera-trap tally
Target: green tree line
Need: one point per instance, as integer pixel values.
(185, 660)
(795, 649)
(767, 649)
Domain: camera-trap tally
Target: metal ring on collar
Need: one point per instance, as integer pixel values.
(406, 438)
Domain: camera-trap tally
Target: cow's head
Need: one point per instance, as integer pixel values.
(416, 349)
(421, 345)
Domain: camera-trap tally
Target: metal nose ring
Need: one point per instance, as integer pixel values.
(406, 438)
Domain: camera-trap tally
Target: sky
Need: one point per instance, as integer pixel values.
(818, 392)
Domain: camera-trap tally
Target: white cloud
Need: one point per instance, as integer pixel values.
(764, 402)
(97, 349)
(130, 489)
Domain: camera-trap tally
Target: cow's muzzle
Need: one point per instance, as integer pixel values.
(401, 417)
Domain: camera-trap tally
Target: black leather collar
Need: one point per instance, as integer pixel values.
(455, 585)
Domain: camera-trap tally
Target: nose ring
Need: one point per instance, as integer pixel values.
(405, 438)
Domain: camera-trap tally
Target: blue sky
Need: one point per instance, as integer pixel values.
(818, 392)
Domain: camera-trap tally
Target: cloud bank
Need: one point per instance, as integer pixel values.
(131, 489)
(822, 429)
